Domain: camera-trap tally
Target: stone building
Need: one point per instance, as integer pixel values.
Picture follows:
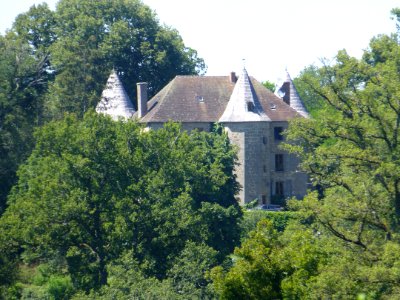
(253, 117)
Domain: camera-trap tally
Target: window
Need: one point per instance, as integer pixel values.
(279, 162)
(278, 133)
(264, 140)
(265, 168)
(250, 106)
(200, 99)
(279, 188)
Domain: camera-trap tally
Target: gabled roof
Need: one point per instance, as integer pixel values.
(205, 98)
(190, 99)
(243, 105)
(114, 99)
(289, 93)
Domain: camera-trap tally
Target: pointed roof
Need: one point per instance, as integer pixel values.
(243, 105)
(114, 99)
(289, 94)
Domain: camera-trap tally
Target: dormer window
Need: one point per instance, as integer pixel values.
(250, 106)
(200, 99)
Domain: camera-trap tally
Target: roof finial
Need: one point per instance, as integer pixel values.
(244, 63)
(288, 78)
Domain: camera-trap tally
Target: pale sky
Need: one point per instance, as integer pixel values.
(270, 35)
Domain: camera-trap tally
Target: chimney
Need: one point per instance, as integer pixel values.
(142, 98)
(232, 77)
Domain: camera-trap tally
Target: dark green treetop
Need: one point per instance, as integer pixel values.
(94, 189)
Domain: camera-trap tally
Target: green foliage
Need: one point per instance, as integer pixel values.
(255, 274)
(251, 218)
(305, 83)
(343, 242)
(39, 282)
(60, 287)
(269, 85)
(188, 274)
(52, 62)
(95, 188)
(36, 27)
(127, 282)
(350, 150)
(94, 37)
(21, 88)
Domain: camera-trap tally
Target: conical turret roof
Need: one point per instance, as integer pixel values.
(243, 105)
(289, 94)
(114, 99)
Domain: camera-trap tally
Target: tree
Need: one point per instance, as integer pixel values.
(345, 243)
(94, 189)
(305, 82)
(36, 30)
(22, 86)
(188, 275)
(269, 85)
(52, 62)
(255, 274)
(94, 37)
(351, 152)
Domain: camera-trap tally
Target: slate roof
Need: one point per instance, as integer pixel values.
(205, 98)
(243, 105)
(295, 100)
(114, 99)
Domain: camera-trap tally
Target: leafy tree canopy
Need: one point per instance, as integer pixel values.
(53, 62)
(94, 189)
(92, 37)
(269, 85)
(345, 243)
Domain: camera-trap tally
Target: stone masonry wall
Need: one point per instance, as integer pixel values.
(257, 173)
(252, 173)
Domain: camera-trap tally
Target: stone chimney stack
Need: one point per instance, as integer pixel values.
(142, 98)
(232, 77)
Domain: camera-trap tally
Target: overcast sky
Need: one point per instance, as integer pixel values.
(270, 35)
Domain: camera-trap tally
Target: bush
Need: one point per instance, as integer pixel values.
(60, 287)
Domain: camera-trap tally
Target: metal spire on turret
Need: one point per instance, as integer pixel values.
(114, 99)
(289, 94)
(243, 105)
